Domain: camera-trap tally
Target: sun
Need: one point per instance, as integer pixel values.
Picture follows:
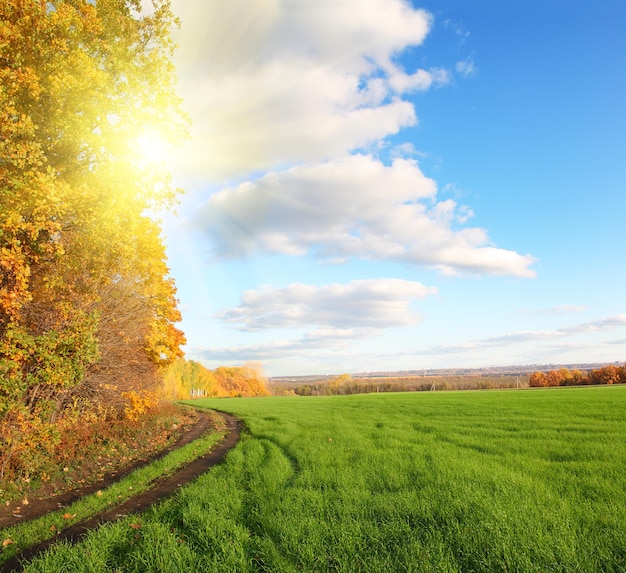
(152, 148)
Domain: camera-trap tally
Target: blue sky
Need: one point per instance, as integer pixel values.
(383, 185)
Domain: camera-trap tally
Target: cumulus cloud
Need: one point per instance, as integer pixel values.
(337, 309)
(319, 340)
(270, 82)
(355, 207)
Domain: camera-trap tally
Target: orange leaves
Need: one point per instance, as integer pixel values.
(136, 527)
(26, 445)
(610, 374)
(139, 403)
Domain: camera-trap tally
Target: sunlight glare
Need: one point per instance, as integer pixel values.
(152, 148)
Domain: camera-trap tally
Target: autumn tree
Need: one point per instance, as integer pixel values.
(246, 380)
(554, 377)
(538, 380)
(566, 377)
(86, 304)
(606, 375)
(184, 379)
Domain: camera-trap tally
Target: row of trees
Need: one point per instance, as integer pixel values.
(87, 307)
(610, 374)
(185, 379)
(346, 384)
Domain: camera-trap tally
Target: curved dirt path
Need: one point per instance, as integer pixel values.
(40, 507)
(161, 489)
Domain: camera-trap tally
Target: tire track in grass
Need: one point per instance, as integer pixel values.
(293, 460)
(161, 489)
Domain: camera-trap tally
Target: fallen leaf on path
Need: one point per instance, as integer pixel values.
(69, 515)
(7, 541)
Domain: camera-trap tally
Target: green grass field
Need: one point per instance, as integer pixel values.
(468, 481)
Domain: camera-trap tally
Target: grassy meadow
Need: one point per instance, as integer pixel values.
(530, 480)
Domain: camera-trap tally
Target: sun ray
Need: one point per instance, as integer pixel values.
(152, 148)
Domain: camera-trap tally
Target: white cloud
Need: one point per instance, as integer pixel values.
(518, 338)
(223, 38)
(504, 340)
(329, 341)
(522, 337)
(597, 325)
(336, 309)
(406, 150)
(557, 310)
(458, 29)
(355, 207)
(270, 82)
(329, 344)
(467, 68)
(421, 80)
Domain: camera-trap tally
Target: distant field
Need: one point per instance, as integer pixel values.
(531, 480)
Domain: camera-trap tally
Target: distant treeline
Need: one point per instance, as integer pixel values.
(606, 375)
(346, 384)
(186, 379)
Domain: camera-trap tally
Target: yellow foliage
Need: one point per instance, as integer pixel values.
(185, 379)
(139, 403)
(87, 309)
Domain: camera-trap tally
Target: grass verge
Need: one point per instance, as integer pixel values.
(91, 448)
(22, 536)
